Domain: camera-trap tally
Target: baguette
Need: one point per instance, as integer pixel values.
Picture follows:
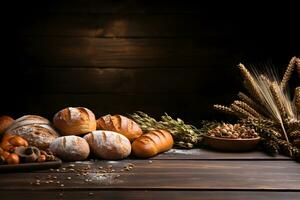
(152, 143)
(120, 124)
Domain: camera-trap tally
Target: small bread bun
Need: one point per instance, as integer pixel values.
(5, 122)
(108, 145)
(75, 121)
(70, 148)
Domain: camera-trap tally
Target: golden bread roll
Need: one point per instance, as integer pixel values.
(108, 145)
(35, 129)
(5, 122)
(120, 124)
(152, 143)
(70, 148)
(75, 121)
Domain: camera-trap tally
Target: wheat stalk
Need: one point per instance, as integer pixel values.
(224, 109)
(240, 112)
(247, 108)
(288, 73)
(256, 106)
(297, 99)
(250, 83)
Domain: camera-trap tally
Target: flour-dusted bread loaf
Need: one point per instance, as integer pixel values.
(120, 124)
(75, 121)
(152, 143)
(70, 148)
(108, 145)
(35, 129)
(5, 122)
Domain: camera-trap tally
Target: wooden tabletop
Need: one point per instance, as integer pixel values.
(176, 174)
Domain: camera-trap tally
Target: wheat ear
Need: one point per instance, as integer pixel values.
(288, 73)
(250, 83)
(298, 65)
(240, 112)
(247, 108)
(224, 109)
(277, 99)
(252, 103)
(297, 99)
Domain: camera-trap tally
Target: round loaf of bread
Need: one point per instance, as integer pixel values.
(108, 145)
(35, 129)
(75, 121)
(70, 148)
(5, 122)
(120, 124)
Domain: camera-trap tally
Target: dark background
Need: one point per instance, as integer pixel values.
(123, 56)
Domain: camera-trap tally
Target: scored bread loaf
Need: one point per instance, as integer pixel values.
(35, 129)
(75, 121)
(120, 124)
(108, 145)
(152, 143)
(70, 148)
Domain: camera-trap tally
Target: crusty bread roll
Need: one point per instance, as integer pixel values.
(120, 124)
(70, 148)
(35, 129)
(152, 143)
(75, 121)
(5, 122)
(108, 145)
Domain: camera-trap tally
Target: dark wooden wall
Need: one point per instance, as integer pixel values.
(123, 56)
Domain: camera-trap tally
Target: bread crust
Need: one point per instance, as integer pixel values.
(152, 143)
(70, 148)
(108, 145)
(74, 121)
(120, 124)
(35, 129)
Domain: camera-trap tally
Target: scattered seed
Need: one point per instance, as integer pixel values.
(51, 170)
(71, 165)
(64, 169)
(61, 194)
(54, 177)
(91, 193)
(62, 185)
(100, 167)
(37, 183)
(69, 178)
(58, 182)
(150, 161)
(57, 170)
(47, 182)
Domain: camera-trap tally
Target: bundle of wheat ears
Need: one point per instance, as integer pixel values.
(268, 108)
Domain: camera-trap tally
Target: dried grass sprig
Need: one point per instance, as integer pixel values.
(297, 99)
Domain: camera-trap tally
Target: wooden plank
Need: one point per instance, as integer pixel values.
(170, 174)
(207, 154)
(136, 194)
(104, 52)
(128, 25)
(134, 80)
(191, 108)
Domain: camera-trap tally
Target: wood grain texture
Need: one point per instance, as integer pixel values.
(177, 105)
(170, 174)
(149, 195)
(207, 154)
(134, 80)
(128, 25)
(104, 52)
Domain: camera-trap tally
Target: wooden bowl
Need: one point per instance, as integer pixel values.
(228, 144)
